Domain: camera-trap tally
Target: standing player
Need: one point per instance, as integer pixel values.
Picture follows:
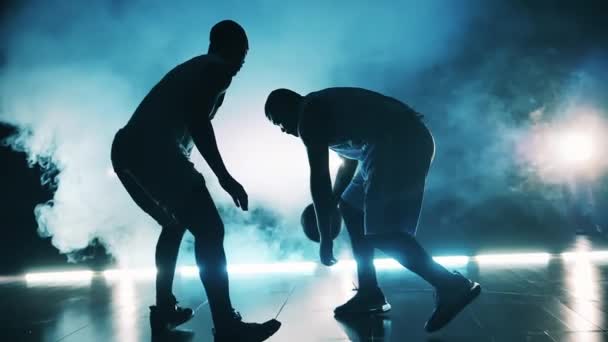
(151, 154)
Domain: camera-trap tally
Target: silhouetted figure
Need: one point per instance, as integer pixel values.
(387, 152)
(151, 157)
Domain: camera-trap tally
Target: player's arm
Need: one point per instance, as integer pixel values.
(313, 134)
(203, 135)
(344, 176)
(205, 99)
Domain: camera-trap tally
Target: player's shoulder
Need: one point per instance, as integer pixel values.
(311, 107)
(211, 71)
(312, 117)
(314, 102)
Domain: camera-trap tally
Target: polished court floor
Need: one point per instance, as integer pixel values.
(557, 297)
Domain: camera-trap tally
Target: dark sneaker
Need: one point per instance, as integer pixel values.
(163, 319)
(240, 331)
(449, 302)
(364, 303)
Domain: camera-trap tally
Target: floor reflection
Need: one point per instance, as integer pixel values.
(582, 279)
(125, 307)
(367, 328)
(558, 300)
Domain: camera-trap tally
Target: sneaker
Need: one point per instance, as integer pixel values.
(166, 318)
(237, 330)
(449, 302)
(364, 303)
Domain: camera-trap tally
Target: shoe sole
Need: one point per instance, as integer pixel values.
(378, 310)
(272, 326)
(473, 293)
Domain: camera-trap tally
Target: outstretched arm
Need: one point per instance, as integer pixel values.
(203, 135)
(313, 131)
(320, 187)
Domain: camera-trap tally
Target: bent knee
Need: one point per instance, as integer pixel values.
(207, 228)
(174, 229)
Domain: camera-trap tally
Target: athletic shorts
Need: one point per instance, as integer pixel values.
(161, 180)
(388, 185)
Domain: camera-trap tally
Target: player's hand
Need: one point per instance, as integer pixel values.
(326, 253)
(236, 190)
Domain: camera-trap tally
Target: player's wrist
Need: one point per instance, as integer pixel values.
(224, 177)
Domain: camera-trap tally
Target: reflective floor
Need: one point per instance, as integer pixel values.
(531, 298)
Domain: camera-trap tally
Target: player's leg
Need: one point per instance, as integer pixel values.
(167, 250)
(396, 221)
(452, 290)
(166, 313)
(203, 220)
(397, 218)
(393, 203)
(396, 170)
(406, 250)
(363, 251)
(369, 298)
(351, 210)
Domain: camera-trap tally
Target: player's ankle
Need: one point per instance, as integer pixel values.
(165, 301)
(448, 282)
(370, 290)
(226, 320)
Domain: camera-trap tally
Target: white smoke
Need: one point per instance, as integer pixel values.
(75, 72)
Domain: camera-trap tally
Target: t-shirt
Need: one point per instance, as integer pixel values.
(362, 117)
(160, 120)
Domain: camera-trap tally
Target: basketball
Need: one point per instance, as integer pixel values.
(309, 224)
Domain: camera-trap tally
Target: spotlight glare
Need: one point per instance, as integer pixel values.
(452, 261)
(574, 148)
(514, 258)
(310, 267)
(386, 264)
(133, 273)
(188, 271)
(590, 256)
(391, 264)
(345, 264)
(68, 276)
(280, 267)
(335, 161)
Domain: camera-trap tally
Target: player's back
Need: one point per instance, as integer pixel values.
(160, 119)
(363, 115)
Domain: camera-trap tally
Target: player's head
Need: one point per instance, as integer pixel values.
(229, 41)
(282, 109)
